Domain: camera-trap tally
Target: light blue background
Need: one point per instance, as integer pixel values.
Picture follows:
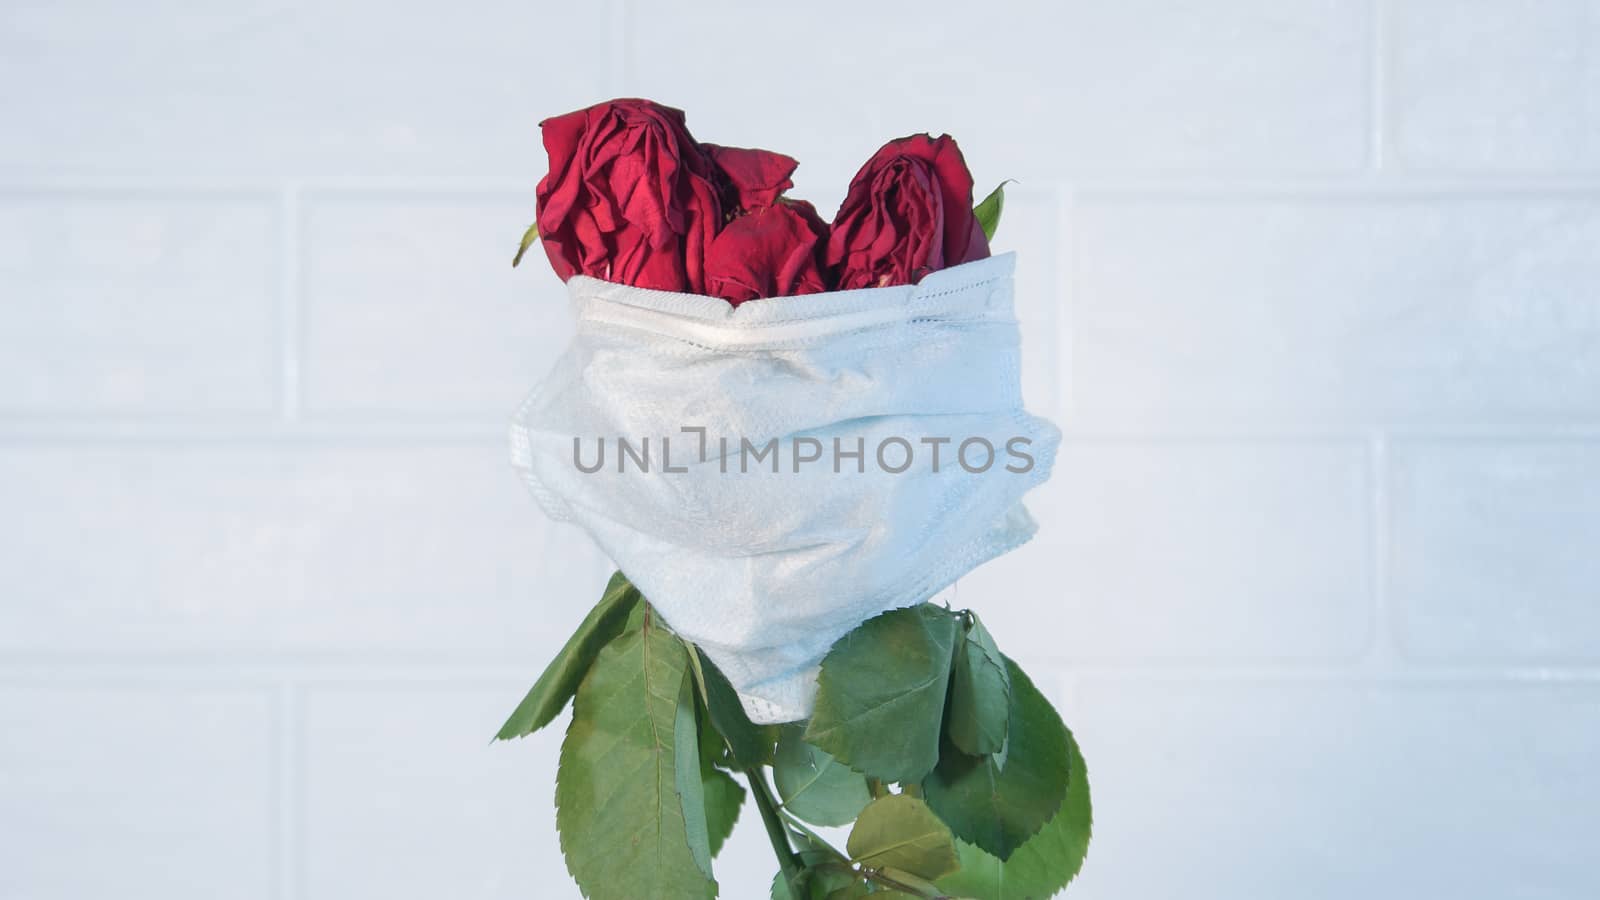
(1313, 288)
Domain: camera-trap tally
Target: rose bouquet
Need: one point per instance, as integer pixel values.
(789, 434)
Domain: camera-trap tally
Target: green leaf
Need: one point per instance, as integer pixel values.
(560, 679)
(999, 804)
(528, 237)
(618, 809)
(688, 776)
(980, 694)
(642, 613)
(901, 832)
(1046, 863)
(724, 795)
(989, 209)
(750, 744)
(881, 693)
(815, 786)
(724, 799)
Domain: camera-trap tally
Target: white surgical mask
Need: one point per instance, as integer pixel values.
(765, 570)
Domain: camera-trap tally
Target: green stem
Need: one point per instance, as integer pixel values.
(815, 839)
(788, 862)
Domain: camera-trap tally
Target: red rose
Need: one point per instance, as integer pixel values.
(752, 178)
(908, 212)
(772, 251)
(630, 196)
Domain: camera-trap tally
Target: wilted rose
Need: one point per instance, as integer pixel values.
(908, 212)
(630, 196)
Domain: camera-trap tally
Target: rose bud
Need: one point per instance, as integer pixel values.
(908, 212)
(751, 178)
(630, 197)
(772, 251)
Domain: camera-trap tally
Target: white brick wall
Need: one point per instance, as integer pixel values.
(1313, 287)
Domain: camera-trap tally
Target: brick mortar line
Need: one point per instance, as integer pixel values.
(1378, 87)
(1442, 678)
(621, 46)
(273, 676)
(1336, 434)
(401, 432)
(287, 852)
(1384, 182)
(272, 184)
(1384, 187)
(1068, 277)
(1385, 650)
(267, 434)
(291, 338)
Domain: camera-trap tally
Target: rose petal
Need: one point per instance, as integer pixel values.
(769, 252)
(756, 177)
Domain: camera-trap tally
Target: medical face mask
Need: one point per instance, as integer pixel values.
(772, 475)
